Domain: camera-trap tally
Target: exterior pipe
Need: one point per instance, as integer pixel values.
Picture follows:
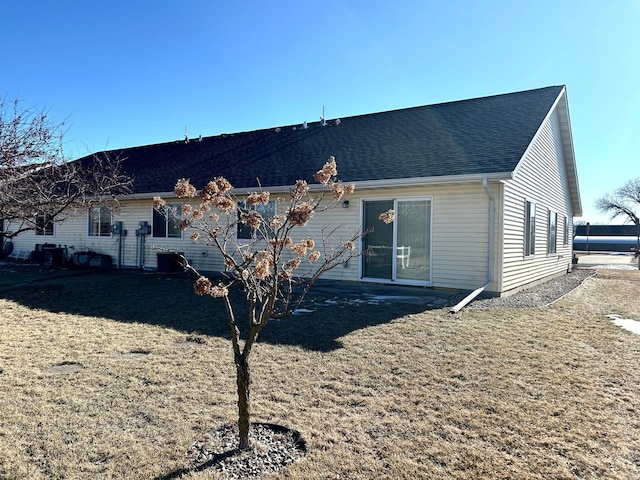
(119, 242)
(466, 300)
(491, 240)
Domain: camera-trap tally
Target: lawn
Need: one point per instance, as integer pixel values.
(114, 375)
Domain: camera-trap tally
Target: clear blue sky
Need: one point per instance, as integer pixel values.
(135, 72)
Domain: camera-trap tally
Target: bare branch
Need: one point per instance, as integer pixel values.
(625, 202)
(37, 179)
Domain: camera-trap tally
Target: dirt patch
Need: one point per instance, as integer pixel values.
(192, 341)
(135, 354)
(64, 367)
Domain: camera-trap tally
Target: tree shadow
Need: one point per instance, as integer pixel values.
(170, 301)
(286, 444)
(215, 460)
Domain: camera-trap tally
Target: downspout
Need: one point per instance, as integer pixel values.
(491, 240)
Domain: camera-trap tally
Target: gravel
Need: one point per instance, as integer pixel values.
(540, 295)
(273, 448)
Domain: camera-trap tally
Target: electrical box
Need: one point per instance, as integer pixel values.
(145, 229)
(116, 228)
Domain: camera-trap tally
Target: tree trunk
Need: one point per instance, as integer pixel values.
(243, 377)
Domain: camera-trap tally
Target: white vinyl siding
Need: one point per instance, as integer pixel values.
(459, 225)
(459, 250)
(540, 178)
(460, 237)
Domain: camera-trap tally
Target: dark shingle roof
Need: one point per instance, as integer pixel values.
(479, 136)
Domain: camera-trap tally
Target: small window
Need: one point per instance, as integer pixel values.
(167, 224)
(530, 229)
(552, 232)
(267, 212)
(99, 222)
(44, 225)
(565, 234)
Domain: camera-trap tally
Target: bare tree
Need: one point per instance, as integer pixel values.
(625, 202)
(37, 181)
(273, 270)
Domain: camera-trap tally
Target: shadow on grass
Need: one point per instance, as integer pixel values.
(170, 301)
(215, 460)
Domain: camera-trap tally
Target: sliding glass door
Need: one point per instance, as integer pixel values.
(378, 242)
(399, 251)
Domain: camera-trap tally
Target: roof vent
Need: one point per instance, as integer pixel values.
(278, 130)
(304, 125)
(186, 135)
(199, 138)
(338, 121)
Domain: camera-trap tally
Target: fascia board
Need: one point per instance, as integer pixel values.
(537, 134)
(426, 181)
(570, 162)
(367, 184)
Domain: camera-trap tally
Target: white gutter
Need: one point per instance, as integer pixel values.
(441, 180)
(360, 185)
(491, 240)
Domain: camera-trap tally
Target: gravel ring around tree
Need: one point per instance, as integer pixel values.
(273, 447)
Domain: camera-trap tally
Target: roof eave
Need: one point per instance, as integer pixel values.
(361, 185)
(439, 180)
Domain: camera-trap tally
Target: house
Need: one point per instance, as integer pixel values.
(485, 191)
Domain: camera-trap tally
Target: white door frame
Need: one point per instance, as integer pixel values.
(394, 280)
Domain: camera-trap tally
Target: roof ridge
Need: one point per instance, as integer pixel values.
(483, 135)
(337, 120)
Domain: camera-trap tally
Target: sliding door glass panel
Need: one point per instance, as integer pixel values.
(378, 243)
(413, 220)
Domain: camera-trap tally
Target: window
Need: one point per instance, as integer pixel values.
(99, 222)
(167, 225)
(267, 212)
(530, 229)
(44, 225)
(552, 232)
(565, 234)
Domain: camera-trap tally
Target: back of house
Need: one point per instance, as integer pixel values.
(484, 191)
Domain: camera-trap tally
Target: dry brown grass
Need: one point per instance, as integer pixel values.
(486, 393)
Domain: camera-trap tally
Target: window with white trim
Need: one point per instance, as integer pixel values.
(166, 223)
(552, 232)
(267, 212)
(99, 222)
(44, 225)
(530, 229)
